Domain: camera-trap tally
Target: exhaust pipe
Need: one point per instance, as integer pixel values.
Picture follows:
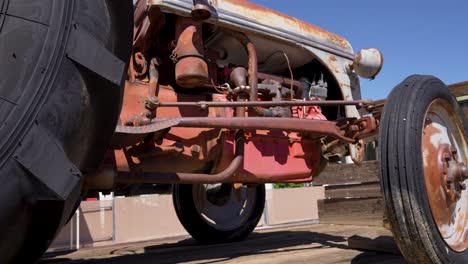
(201, 10)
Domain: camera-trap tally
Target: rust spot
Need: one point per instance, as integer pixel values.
(440, 195)
(191, 69)
(358, 58)
(333, 65)
(278, 20)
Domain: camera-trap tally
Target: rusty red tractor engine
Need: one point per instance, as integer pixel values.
(213, 99)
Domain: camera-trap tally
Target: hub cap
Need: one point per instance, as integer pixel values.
(444, 157)
(224, 211)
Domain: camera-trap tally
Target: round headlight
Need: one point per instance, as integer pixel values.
(368, 63)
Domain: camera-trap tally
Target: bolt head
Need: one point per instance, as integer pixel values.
(453, 150)
(448, 183)
(447, 157)
(464, 171)
(363, 124)
(462, 186)
(354, 128)
(195, 149)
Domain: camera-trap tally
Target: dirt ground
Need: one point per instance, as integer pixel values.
(325, 244)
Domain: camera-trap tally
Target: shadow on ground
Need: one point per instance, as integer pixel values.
(262, 246)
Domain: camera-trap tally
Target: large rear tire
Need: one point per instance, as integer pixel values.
(423, 156)
(62, 65)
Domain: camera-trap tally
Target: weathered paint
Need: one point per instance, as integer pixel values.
(333, 51)
(347, 81)
(368, 63)
(249, 17)
(279, 159)
(191, 69)
(198, 139)
(275, 19)
(444, 150)
(164, 158)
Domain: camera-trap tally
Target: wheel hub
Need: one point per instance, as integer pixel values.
(445, 152)
(453, 172)
(222, 206)
(218, 194)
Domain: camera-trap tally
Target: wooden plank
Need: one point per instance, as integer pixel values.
(464, 105)
(324, 244)
(360, 190)
(459, 89)
(353, 211)
(349, 173)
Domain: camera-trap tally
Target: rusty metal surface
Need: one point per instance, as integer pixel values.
(253, 67)
(444, 157)
(278, 20)
(205, 104)
(362, 128)
(368, 63)
(249, 17)
(191, 69)
(185, 178)
(348, 81)
(315, 127)
(209, 140)
(201, 10)
(139, 173)
(293, 158)
(169, 129)
(271, 158)
(284, 81)
(267, 157)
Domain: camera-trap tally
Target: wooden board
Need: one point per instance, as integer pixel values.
(353, 190)
(459, 89)
(353, 194)
(349, 173)
(355, 211)
(324, 244)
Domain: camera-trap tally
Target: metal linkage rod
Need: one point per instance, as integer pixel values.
(204, 104)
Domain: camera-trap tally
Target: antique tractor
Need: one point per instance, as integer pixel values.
(217, 98)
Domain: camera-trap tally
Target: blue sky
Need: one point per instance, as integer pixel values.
(415, 37)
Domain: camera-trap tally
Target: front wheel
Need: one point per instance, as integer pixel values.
(219, 213)
(424, 175)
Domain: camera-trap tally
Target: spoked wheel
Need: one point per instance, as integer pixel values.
(424, 174)
(219, 213)
(61, 65)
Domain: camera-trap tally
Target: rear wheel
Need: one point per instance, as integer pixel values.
(424, 174)
(62, 65)
(219, 213)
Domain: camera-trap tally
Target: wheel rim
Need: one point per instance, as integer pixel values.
(444, 157)
(231, 210)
